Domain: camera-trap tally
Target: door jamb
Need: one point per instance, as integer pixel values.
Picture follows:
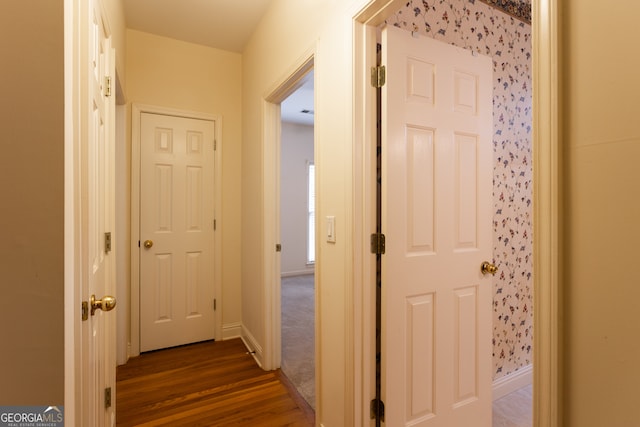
(136, 114)
(72, 215)
(271, 357)
(547, 206)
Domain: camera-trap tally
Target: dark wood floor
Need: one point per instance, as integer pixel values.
(206, 384)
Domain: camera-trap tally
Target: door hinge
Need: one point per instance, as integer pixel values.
(107, 242)
(107, 86)
(215, 225)
(107, 397)
(378, 76)
(278, 247)
(85, 310)
(214, 304)
(377, 409)
(378, 243)
(215, 144)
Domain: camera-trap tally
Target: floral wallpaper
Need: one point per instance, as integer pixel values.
(520, 9)
(477, 26)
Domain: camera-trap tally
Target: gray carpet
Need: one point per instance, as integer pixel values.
(298, 343)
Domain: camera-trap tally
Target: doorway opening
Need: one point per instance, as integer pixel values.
(275, 154)
(297, 238)
(372, 19)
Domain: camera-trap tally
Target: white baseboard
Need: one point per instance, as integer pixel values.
(252, 345)
(310, 271)
(512, 382)
(231, 330)
(120, 360)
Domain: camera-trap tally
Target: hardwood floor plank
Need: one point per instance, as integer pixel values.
(206, 384)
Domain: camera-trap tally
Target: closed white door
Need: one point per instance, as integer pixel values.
(437, 191)
(98, 332)
(176, 231)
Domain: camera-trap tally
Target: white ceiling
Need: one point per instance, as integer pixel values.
(298, 107)
(221, 24)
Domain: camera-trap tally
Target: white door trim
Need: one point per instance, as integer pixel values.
(137, 110)
(547, 211)
(547, 207)
(271, 355)
(72, 215)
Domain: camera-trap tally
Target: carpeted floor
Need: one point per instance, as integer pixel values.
(298, 342)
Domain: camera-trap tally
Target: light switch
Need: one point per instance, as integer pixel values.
(331, 229)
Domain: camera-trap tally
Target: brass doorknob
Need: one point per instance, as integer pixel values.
(148, 244)
(107, 303)
(488, 268)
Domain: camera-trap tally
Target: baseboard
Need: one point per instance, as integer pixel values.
(252, 345)
(231, 330)
(512, 382)
(122, 360)
(297, 273)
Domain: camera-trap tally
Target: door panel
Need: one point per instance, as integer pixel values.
(436, 193)
(98, 333)
(176, 214)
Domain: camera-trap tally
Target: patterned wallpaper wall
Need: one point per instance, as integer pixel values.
(521, 9)
(475, 25)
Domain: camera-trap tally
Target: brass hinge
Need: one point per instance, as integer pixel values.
(378, 243)
(215, 144)
(107, 242)
(377, 409)
(107, 397)
(85, 310)
(378, 76)
(107, 86)
(214, 304)
(215, 225)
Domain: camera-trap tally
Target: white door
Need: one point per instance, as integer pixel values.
(98, 340)
(437, 191)
(176, 231)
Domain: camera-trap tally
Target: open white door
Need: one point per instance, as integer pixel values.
(176, 231)
(437, 198)
(98, 332)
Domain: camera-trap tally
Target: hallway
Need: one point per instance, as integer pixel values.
(210, 384)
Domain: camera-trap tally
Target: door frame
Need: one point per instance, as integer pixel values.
(271, 356)
(136, 113)
(547, 155)
(73, 229)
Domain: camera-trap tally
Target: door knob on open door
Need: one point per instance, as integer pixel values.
(488, 268)
(107, 303)
(148, 244)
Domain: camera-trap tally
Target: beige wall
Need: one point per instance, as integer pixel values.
(117, 25)
(602, 221)
(32, 214)
(288, 32)
(169, 73)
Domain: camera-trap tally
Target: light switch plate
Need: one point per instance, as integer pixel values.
(331, 229)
